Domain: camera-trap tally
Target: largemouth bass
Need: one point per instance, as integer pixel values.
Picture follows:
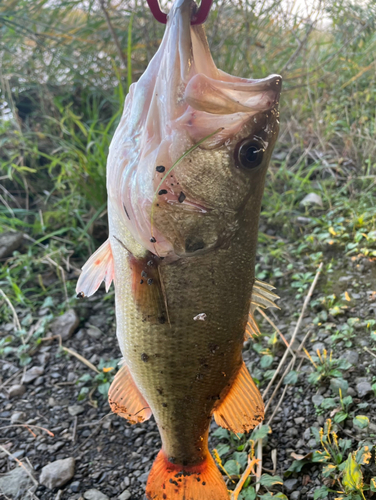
(185, 179)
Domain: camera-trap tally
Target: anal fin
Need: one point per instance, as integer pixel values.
(242, 408)
(99, 267)
(126, 400)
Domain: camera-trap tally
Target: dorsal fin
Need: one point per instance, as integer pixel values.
(262, 295)
(99, 267)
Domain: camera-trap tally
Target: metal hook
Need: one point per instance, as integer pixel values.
(199, 17)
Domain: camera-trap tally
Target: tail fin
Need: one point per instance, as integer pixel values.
(168, 481)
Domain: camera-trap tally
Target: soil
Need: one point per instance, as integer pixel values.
(113, 456)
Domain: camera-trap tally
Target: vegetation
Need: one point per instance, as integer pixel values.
(66, 68)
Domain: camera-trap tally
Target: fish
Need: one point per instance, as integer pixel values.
(185, 179)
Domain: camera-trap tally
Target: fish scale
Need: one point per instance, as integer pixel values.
(185, 179)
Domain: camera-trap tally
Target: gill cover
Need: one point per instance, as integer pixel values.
(180, 99)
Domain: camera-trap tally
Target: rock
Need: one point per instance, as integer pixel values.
(312, 443)
(303, 220)
(17, 482)
(126, 495)
(364, 388)
(317, 399)
(56, 474)
(144, 477)
(17, 454)
(292, 432)
(318, 346)
(9, 242)
(299, 420)
(94, 332)
(339, 383)
(290, 484)
(351, 356)
(307, 434)
(351, 392)
(32, 374)
(75, 410)
(16, 390)
(94, 494)
(312, 199)
(75, 486)
(53, 448)
(66, 324)
(18, 416)
(295, 495)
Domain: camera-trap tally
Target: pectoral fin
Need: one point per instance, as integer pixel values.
(126, 400)
(242, 408)
(100, 267)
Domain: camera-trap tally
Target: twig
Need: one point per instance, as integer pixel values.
(59, 494)
(27, 426)
(258, 309)
(297, 327)
(242, 480)
(370, 352)
(12, 377)
(15, 317)
(21, 464)
(95, 431)
(72, 353)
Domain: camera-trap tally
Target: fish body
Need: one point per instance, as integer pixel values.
(185, 178)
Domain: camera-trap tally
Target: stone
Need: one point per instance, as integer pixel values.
(18, 416)
(9, 242)
(317, 399)
(339, 383)
(290, 484)
(16, 482)
(312, 199)
(58, 473)
(318, 346)
(33, 373)
(351, 356)
(144, 477)
(292, 432)
(299, 420)
(94, 332)
(17, 454)
(126, 495)
(94, 494)
(16, 390)
(66, 324)
(363, 389)
(75, 410)
(53, 448)
(351, 392)
(307, 434)
(75, 486)
(295, 495)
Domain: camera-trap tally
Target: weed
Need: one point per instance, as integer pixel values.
(325, 366)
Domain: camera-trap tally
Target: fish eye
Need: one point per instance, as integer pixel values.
(249, 154)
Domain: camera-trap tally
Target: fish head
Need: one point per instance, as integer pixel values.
(192, 149)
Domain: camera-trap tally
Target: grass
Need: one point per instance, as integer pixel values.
(66, 68)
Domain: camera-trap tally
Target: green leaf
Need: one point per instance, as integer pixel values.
(222, 449)
(241, 458)
(221, 433)
(248, 493)
(361, 421)
(268, 481)
(329, 404)
(104, 388)
(340, 417)
(321, 492)
(316, 434)
(291, 378)
(260, 433)
(232, 468)
(266, 361)
(313, 378)
(328, 470)
(352, 475)
(373, 484)
(363, 456)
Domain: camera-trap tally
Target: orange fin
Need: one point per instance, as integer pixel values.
(169, 481)
(242, 408)
(99, 267)
(126, 400)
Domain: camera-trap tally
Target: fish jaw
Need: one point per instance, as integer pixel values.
(180, 105)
